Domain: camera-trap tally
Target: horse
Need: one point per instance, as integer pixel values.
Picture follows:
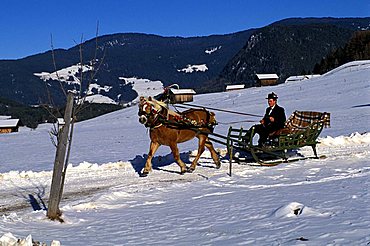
(169, 128)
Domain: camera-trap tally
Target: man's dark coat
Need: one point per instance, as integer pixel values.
(278, 113)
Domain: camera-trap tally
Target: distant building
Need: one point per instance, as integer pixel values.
(266, 79)
(181, 95)
(301, 77)
(234, 87)
(9, 125)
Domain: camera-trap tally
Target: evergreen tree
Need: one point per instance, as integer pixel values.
(357, 48)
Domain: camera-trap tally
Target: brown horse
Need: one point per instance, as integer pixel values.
(169, 128)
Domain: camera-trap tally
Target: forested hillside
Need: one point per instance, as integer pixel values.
(284, 50)
(358, 48)
(32, 116)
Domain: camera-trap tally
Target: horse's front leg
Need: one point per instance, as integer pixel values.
(148, 164)
(176, 155)
(214, 154)
(202, 142)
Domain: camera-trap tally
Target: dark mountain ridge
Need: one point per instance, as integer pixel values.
(285, 47)
(125, 55)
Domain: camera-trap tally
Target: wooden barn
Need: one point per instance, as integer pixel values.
(9, 125)
(234, 87)
(267, 79)
(181, 95)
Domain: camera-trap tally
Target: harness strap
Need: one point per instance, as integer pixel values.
(161, 116)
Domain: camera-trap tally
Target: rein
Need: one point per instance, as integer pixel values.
(235, 122)
(217, 109)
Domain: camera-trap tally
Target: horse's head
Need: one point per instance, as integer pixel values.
(149, 111)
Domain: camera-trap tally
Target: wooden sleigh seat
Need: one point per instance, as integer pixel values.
(301, 129)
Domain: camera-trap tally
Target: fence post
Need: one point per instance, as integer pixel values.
(56, 184)
(230, 160)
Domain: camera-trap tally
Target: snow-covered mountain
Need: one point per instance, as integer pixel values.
(287, 47)
(310, 202)
(118, 55)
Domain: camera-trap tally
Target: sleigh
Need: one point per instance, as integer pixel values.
(301, 129)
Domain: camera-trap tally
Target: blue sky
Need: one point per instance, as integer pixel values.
(26, 25)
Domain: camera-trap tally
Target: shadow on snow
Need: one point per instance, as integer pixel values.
(158, 162)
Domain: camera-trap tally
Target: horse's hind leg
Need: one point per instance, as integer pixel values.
(214, 154)
(176, 155)
(202, 142)
(148, 164)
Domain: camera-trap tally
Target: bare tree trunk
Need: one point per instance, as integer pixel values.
(66, 160)
(56, 183)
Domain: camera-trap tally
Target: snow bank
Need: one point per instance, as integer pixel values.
(210, 51)
(350, 66)
(100, 99)
(354, 138)
(8, 239)
(194, 68)
(296, 209)
(144, 87)
(323, 201)
(67, 75)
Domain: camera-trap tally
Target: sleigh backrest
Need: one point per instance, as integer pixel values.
(301, 120)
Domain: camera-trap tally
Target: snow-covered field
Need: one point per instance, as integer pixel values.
(310, 202)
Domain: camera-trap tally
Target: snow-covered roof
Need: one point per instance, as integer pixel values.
(9, 123)
(301, 77)
(267, 76)
(5, 117)
(234, 87)
(182, 91)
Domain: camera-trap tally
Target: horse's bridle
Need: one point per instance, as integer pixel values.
(147, 110)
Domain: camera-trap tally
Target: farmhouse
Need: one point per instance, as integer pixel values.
(234, 87)
(9, 125)
(266, 79)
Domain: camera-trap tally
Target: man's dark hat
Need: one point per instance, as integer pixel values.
(272, 96)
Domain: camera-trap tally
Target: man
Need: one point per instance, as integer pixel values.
(273, 119)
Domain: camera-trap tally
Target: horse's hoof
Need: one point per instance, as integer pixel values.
(143, 174)
(185, 171)
(190, 170)
(218, 165)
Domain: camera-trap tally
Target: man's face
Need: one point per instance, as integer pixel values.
(271, 102)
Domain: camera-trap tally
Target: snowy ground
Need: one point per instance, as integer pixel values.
(310, 202)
